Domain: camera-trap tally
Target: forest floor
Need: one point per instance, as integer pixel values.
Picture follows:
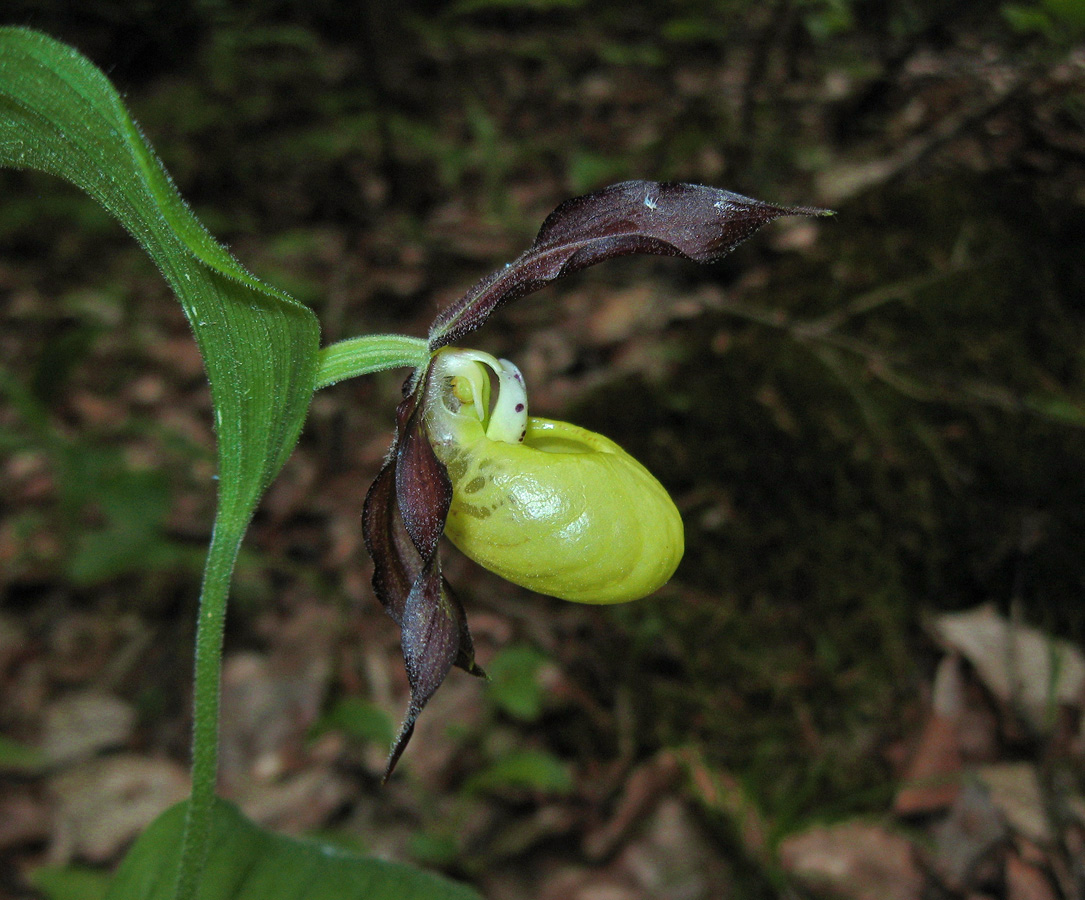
(866, 678)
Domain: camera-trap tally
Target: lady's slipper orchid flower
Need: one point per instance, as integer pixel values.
(544, 504)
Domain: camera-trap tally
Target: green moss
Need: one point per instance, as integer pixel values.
(835, 488)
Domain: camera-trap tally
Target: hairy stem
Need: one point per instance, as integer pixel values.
(225, 543)
(366, 354)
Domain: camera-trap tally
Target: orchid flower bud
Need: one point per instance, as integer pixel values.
(546, 505)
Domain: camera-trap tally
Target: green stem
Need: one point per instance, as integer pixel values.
(371, 353)
(221, 557)
(346, 359)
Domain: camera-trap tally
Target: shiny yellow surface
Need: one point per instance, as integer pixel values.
(566, 512)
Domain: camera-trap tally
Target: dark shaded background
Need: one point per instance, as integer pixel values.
(866, 421)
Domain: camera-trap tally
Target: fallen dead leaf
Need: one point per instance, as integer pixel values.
(23, 818)
(967, 837)
(1026, 882)
(588, 884)
(1024, 668)
(103, 804)
(930, 782)
(669, 859)
(298, 804)
(269, 702)
(79, 725)
(672, 858)
(855, 860)
(620, 313)
(1015, 792)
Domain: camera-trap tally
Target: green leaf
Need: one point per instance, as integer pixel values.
(134, 506)
(360, 720)
(248, 863)
(439, 847)
(70, 882)
(514, 683)
(20, 758)
(533, 770)
(1060, 409)
(1067, 12)
(1027, 19)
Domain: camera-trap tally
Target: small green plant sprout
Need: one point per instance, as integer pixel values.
(545, 504)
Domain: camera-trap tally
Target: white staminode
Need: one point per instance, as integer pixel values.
(487, 387)
(508, 418)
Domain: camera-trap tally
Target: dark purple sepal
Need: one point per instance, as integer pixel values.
(405, 509)
(635, 217)
(434, 638)
(402, 522)
(396, 561)
(423, 489)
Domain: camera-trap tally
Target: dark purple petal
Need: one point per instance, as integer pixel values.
(396, 560)
(434, 638)
(466, 658)
(423, 489)
(402, 522)
(700, 223)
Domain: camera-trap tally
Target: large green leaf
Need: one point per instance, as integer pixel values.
(60, 114)
(248, 863)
